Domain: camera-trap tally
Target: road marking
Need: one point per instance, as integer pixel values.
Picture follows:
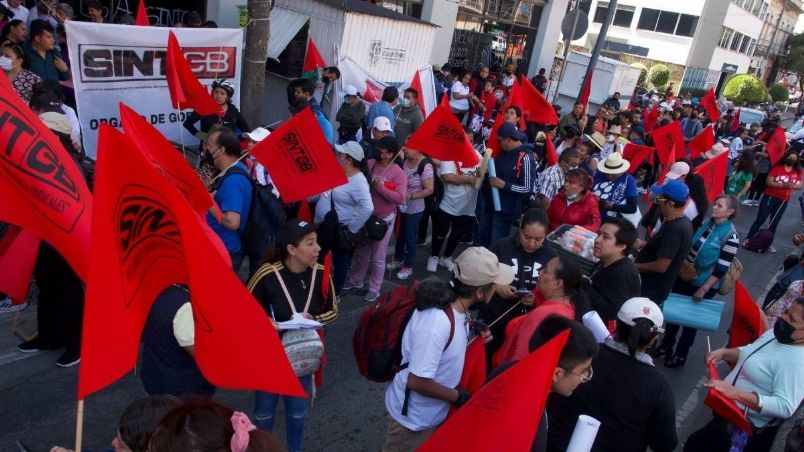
(14, 356)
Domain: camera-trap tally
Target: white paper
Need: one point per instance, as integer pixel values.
(299, 322)
(584, 434)
(595, 324)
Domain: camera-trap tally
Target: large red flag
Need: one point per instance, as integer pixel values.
(142, 15)
(417, 85)
(474, 368)
(535, 107)
(735, 122)
(651, 119)
(746, 321)
(144, 238)
(43, 189)
(724, 406)
(505, 413)
(166, 159)
(312, 58)
(710, 104)
(515, 99)
(586, 90)
(777, 144)
(445, 99)
(550, 153)
(702, 142)
(636, 154)
(299, 158)
(713, 172)
(185, 89)
(493, 142)
(441, 137)
(18, 249)
(669, 141)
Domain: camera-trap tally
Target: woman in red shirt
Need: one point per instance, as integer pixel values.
(575, 204)
(487, 101)
(783, 178)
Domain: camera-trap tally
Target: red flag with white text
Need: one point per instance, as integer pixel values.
(145, 238)
(441, 137)
(299, 158)
(18, 250)
(186, 92)
(713, 172)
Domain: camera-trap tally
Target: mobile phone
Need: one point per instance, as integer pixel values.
(522, 292)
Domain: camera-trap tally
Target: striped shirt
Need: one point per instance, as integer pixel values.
(728, 251)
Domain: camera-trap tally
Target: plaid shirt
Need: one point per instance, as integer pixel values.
(550, 181)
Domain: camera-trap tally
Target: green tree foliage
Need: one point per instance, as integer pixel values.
(659, 75)
(745, 89)
(643, 72)
(779, 93)
(794, 61)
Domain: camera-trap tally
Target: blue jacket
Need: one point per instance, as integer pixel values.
(708, 258)
(516, 168)
(381, 108)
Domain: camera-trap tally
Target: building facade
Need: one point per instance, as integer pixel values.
(779, 24)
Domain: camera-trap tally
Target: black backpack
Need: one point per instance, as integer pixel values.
(433, 201)
(266, 215)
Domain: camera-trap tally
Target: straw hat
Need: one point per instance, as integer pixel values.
(614, 164)
(596, 139)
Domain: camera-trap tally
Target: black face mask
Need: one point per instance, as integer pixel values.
(790, 162)
(783, 331)
(208, 158)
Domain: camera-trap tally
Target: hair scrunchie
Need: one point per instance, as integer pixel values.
(242, 426)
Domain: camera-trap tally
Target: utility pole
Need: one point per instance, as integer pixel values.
(256, 52)
(601, 39)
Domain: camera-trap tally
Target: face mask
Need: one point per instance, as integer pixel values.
(404, 102)
(498, 95)
(788, 162)
(5, 63)
(783, 331)
(571, 196)
(610, 138)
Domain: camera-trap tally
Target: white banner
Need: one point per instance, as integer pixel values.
(124, 63)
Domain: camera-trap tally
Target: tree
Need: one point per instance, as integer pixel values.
(256, 53)
(643, 73)
(779, 93)
(659, 75)
(745, 89)
(794, 61)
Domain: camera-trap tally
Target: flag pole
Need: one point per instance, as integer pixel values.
(497, 319)
(79, 425)
(181, 134)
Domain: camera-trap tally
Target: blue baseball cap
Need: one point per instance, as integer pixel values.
(672, 189)
(509, 131)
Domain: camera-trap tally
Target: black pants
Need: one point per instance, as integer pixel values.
(443, 224)
(429, 209)
(60, 309)
(769, 207)
(716, 437)
(687, 333)
(758, 186)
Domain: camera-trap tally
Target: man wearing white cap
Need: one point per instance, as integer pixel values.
(350, 115)
(381, 128)
(433, 348)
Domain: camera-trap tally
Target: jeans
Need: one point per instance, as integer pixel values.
(340, 268)
(485, 217)
(295, 412)
(370, 258)
(769, 206)
(443, 224)
(687, 333)
(405, 249)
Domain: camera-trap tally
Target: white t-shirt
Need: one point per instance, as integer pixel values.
(459, 104)
(183, 325)
(423, 348)
(735, 148)
(458, 199)
(20, 12)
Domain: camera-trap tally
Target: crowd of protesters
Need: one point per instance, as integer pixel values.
(493, 235)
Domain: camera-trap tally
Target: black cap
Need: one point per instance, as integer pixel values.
(293, 231)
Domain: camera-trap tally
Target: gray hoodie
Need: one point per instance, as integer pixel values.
(408, 119)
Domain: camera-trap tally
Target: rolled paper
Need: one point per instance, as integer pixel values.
(701, 315)
(495, 193)
(481, 172)
(584, 434)
(595, 324)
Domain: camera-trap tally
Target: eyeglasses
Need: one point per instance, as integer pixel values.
(586, 376)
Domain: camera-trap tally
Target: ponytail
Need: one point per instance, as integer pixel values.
(636, 337)
(570, 273)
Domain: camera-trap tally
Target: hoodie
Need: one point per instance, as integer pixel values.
(408, 119)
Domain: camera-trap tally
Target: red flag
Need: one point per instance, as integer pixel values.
(167, 160)
(43, 189)
(535, 107)
(777, 144)
(304, 211)
(142, 15)
(299, 158)
(417, 85)
(746, 321)
(586, 89)
(505, 413)
(735, 123)
(493, 142)
(515, 99)
(668, 140)
(445, 99)
(652, 118)
(441, 137)
(713, 172)
(326, 282)
(312, 58)
(144, 238)
(373, 92)
(702, 142)
(550, 151)
(185, 89)
(636, 154)
(710, 104)
(724, 406)
(18, 250)
(474, 366)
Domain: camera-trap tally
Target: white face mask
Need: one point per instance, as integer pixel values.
(403, 101)
(610, 138)
(5, 63)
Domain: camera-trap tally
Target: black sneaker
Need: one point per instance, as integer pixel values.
(658, 352)
(68, 359)
(34, 345)
(675, 361)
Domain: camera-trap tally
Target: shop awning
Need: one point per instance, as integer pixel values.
(284, 26)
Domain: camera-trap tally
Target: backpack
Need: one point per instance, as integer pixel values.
(266, 215)
(303, 347)
(377, 342)
(434, 200)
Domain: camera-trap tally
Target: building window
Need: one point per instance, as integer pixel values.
(745, 45)
(412, 8)
(624, 16)
(725, 37)
(648, 19)
(735, 43)
(667, 22)
(600, 12)
(686, 25)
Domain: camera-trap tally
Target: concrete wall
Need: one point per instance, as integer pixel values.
(548, 36)
(442, 13)
(225, 12)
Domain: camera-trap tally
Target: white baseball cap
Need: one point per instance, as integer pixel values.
(349, 90)
(382, 124)
(476, 266)
(677, 170)
(258, 134)
(352, 149)
(641, 308)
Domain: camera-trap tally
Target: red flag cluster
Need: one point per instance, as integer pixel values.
(441, 136)
(185, 89)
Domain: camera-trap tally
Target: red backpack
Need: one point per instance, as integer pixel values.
(377, 342)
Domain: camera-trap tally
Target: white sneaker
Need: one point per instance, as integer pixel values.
(447, 263)
(7, 306)
(432, 264)
(404, 273)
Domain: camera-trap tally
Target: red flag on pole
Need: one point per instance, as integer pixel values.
(441, 137)
(505, 413)
(474, 366)
(535, 107)
(550, 152)
(735, 123)
(142, 15)
(713, 172)
(669, 141)
(710, 104)
(166, 159)
(702, 142)
(652, 118)
(515, 99)
(312, 58)
(724, 406)
(417, 85)
(18, 250)
(586, 90)
(144, 238)
(746, 321)
(326, 280)
(445, 99)
(186, 92)
(299, 158)
(777, 144)
(493, 142)
(43, 189)
(636, 154)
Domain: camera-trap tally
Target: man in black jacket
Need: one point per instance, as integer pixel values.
(615, 278)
